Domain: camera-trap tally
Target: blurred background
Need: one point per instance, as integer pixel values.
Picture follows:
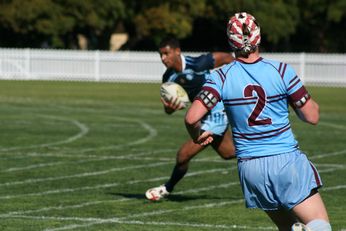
(135, 25)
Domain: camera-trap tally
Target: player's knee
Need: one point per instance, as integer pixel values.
(319, 225)
(182, 160)
(227, 156)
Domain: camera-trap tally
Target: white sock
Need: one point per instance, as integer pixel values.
(319, 225)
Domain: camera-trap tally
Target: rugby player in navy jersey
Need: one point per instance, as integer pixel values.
(190, 73)
(274, 174)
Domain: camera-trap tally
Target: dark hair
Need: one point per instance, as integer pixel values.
(245, 54)
(169, 41)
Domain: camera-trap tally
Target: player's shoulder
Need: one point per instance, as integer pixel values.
(200, 62)
(167, 75)
(277, 64)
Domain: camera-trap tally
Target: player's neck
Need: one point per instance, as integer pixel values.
(179, 64)
(253, 57)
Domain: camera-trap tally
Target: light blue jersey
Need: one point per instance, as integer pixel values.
(256, 98)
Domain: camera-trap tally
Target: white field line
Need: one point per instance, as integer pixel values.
(94, 158)
(81, 175)
(151, 135)
(92, 221)
(95, 221)
(135, 157)
(123, 220)
(87, 174)
(91, 158)
(196, 190)
(65, 190)
(330, 188)
(85, 204)
(126, 157)
(75, 155)
(173, 224)
(83, 130)
(155, 213)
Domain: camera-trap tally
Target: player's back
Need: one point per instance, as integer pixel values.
(256, 100)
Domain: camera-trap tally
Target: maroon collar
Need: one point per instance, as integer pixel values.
(259, 59)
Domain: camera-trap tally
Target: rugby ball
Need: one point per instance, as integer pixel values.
(169, 90)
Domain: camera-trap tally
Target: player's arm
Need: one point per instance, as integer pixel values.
(221, 58)
(299, 98)
(308, 111)
(203, 103)
(193, 118)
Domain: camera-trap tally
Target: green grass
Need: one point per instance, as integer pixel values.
(79, 156)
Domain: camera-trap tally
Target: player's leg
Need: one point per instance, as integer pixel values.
(283, 219)
(224, 146)
(186, 152)
(313, 213)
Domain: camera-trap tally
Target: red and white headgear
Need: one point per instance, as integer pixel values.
(243, 32)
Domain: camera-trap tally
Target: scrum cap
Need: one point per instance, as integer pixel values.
(243, 32)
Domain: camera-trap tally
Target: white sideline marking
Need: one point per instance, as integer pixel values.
(86, 174)
(328, 154)
(337, 187)
(96, 158)
(65, 190)
(96, 221)
(197, 190)
(83, 130)
(151, 130)
(34, 166)
(320, 156)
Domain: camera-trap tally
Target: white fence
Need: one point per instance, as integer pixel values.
(123, 66)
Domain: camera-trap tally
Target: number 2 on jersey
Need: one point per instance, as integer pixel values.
(253, 119)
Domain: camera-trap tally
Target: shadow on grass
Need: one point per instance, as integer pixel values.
(172, 197)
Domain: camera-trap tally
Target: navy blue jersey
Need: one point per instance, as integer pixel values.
(193, 75)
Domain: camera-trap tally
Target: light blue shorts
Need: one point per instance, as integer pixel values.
(216, 120)
(278, 181)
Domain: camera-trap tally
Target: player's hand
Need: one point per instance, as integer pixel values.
(173, 105)
(205, 138)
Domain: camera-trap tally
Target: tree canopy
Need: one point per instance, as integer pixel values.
(286, 25)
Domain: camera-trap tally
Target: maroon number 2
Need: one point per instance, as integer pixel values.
(261, 101)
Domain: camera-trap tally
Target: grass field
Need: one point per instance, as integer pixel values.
(79, 156)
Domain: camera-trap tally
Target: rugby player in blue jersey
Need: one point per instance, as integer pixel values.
(274, 174)
(190, 73)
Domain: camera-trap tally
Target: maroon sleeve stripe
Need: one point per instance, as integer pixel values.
(283, 71)
(293, 85)
(292, 80)
(297, 95)
(221, 75)
(279, 70)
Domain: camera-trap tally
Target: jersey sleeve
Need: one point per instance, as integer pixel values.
(210, 93)
(200, 63)
(297, 93)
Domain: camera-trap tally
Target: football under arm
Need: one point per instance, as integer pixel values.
(193, 117)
